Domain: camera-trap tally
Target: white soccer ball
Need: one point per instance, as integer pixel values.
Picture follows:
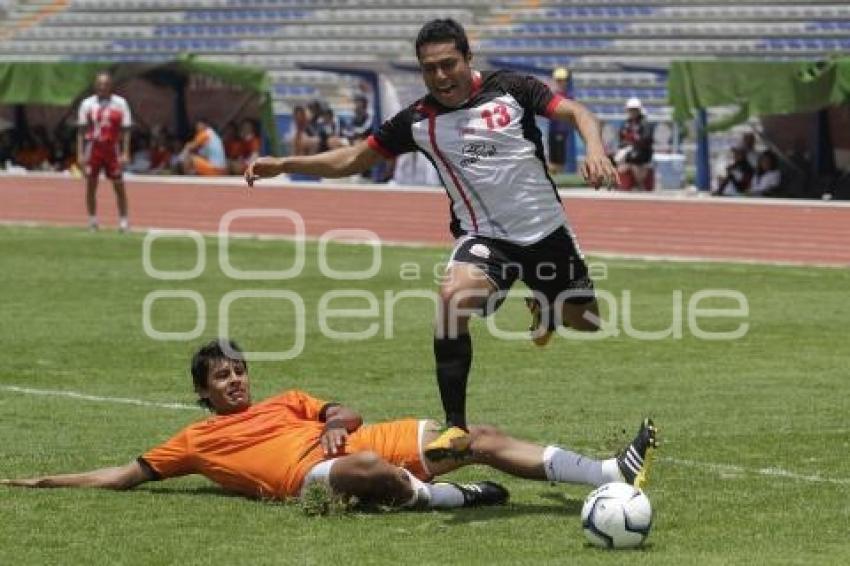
(616, 515)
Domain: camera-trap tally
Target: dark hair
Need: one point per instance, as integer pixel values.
(443, 31)
(771, 157)
(209, 354)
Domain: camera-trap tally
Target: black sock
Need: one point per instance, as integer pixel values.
(454, 357)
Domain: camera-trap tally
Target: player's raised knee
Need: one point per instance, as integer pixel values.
(485, 438)
(365, 464)
(462, 297)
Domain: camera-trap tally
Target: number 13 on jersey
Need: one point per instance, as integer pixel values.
(498, 117)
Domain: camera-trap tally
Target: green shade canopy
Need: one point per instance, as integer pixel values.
(758, 88)
(61, 83)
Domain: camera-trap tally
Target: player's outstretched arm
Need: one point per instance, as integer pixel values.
(340, 162)
(119, 478)
(597, 168)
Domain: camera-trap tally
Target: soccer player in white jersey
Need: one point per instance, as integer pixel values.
(103, 142)
(478, 129)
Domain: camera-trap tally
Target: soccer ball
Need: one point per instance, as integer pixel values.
(616, 515)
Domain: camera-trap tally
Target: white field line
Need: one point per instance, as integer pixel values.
(96, 398)
(771, 472)
(710, 466)
(347, 241)
(674, 258)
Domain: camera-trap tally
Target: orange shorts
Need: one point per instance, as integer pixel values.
(204, 167)
(397, 442)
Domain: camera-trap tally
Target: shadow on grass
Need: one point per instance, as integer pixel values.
(560, 505)
(204, 490)
(557, 504)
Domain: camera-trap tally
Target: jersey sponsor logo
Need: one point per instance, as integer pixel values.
(464, 127)
(476, 151)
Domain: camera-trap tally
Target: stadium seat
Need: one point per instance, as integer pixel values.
(602, 41)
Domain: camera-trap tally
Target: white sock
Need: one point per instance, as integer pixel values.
(421, 493)
(611, 471)
(445, 496)
(568, 467)
(92, 220)
(433, 495)
(123, 222)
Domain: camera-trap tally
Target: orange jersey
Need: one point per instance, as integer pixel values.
(268, 449)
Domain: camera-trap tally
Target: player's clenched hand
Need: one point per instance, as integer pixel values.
(333, 438)
(598, 171)
(263, 167)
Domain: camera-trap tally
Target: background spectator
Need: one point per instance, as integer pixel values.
(304, 139)
(30, 155)
(767, 181)
(559, 132)
(324, 127)
(360, 125)
(246, 148)
(738, 176)
(748, 141)
(232, 144)
(162, 151)
(204, 154)
(634, 156)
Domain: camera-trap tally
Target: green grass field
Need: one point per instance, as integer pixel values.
(753, 467)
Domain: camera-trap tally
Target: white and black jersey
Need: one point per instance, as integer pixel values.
(489, 154)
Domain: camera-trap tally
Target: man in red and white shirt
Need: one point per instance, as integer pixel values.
(103, 142)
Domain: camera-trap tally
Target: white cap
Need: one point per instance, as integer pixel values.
(634, 104)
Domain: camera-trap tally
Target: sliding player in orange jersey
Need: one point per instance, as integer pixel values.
(275, 448)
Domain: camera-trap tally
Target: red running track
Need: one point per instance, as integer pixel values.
(782, 232)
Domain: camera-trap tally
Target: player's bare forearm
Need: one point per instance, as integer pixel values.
(583, 120)
(597, 169)
(118, 478)
(340, 162)
(349, 417)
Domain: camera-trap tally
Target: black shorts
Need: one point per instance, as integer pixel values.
(553, 267)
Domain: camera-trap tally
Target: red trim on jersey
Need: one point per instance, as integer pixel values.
(553, 104)
(476, 84)
(374, 144)
(432, 119)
